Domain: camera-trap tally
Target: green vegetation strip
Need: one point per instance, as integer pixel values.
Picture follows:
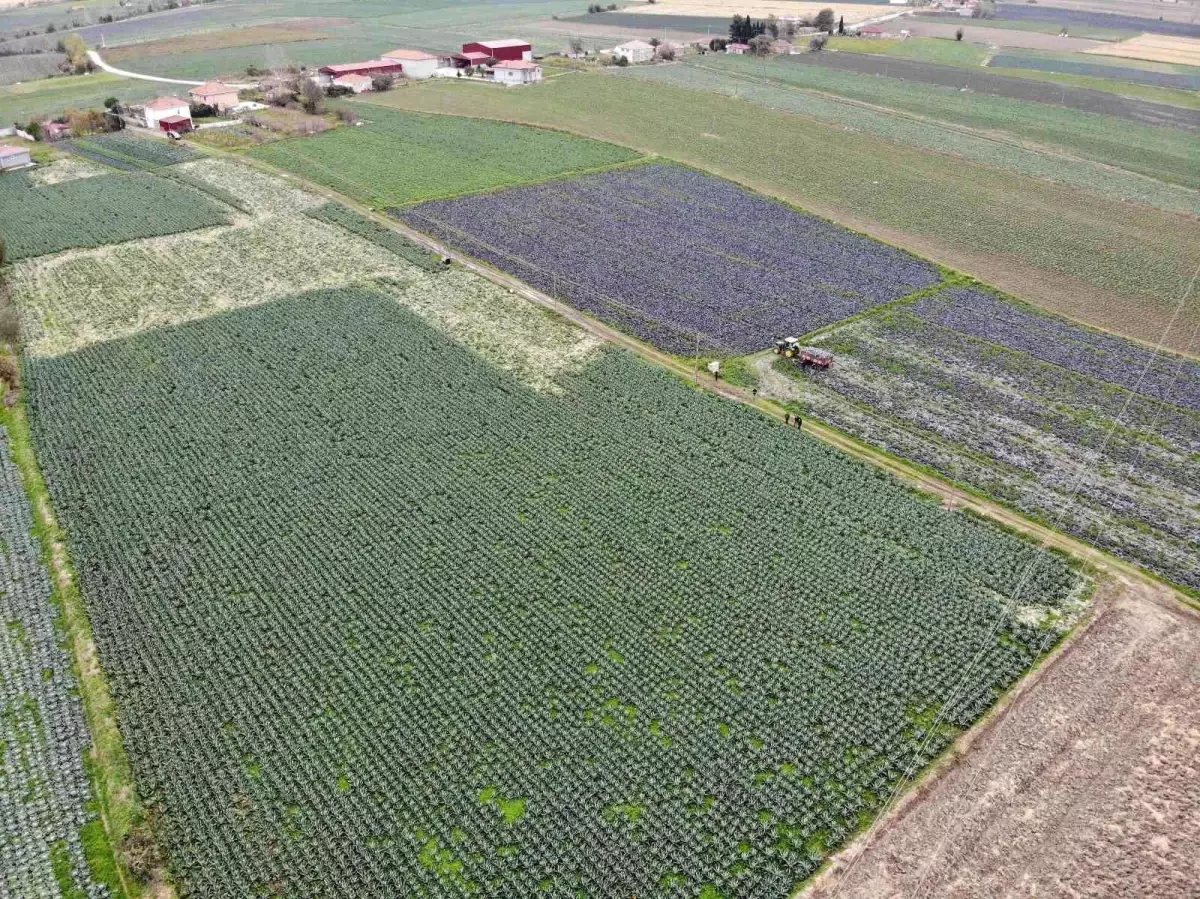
(396, 158)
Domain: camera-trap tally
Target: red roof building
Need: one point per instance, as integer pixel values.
(368, 68)
(176, 124)
(508, 50)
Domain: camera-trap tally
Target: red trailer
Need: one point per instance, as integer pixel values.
(508, 50)
(175, 124)
(811, 355)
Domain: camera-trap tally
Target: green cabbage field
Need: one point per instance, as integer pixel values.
(382, 620)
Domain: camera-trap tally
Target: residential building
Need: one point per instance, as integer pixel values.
(517, 72)
(165, 108)
(215, 94)
(737, 47)
(417, 64)
(13, 157)
(634, 51)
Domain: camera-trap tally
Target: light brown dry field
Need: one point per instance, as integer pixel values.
(1086, 784)
(760, 9)
(251, 36)
(1182, 11)
(1001, 37)
(1154, 47)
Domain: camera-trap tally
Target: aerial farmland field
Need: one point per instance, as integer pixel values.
(548, 641)
(442, 157)
(1094, 433)
(718, 267)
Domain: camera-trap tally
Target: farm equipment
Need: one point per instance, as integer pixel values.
(790, 348)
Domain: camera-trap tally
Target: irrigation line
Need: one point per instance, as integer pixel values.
(906, 778)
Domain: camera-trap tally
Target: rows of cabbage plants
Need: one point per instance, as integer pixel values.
(44, 789)
(92, 212)
(679, 258)
(128, 152)
(1081, 428)
(382, 620)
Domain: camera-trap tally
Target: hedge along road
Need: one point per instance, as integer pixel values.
(908, 474)
(981, 81)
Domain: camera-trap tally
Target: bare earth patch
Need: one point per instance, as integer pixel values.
(65, 168)
(1087, 785)
(1154, 47)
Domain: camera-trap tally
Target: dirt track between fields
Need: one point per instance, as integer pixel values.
(1087, 784)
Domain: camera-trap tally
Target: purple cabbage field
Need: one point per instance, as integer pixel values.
(1079, 428)
(676, 257)
(1103, 356)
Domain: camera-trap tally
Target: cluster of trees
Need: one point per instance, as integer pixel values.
(596, 7)
(744, 29)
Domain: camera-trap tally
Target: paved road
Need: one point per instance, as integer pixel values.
(112, 70)
(981, 81)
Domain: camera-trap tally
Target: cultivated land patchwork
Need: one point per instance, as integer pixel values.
(1087, 431)
(429, 628)
(718, 268)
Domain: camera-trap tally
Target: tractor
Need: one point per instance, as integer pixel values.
(787, 346)
(790, 348)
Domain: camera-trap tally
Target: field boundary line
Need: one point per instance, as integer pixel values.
(109, 771)
(997, 512)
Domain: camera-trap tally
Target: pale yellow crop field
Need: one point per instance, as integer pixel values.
(1154, 47)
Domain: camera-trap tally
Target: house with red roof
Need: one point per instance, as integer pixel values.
(517, 71)
(326, 75)
(507, 50)
(167, 113)
(216, 94)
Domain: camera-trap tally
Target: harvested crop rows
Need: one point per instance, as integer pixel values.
(681, 259)
(92, 212)
(43, 736)
(424, 629)
(129, 152)
(399, 157)
(1181, 80)
(1021, 405)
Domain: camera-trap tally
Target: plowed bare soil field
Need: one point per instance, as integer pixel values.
(1088, 785)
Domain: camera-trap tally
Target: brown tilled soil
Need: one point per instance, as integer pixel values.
(1088, 785)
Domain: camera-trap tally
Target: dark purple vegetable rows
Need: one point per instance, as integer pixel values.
(677, 257)
(1104, 356)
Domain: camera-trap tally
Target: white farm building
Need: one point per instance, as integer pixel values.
(13, 157)
(416, 64)
(517, 71)
(634, 51)
(165, 108)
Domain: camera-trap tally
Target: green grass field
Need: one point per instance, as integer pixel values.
(926, 49)
(1037, 240)
(1163, 153)
(50, 96)
(396, 157)
(1091, 32)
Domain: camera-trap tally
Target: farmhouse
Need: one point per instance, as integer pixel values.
(509, 50)
(634, 51)
(736, 47)
(216, 94)
(417, 64)
(13, 157)
(469, 60)
(873, 31)
(517, 72)
(160, 109)
(356, 83)
(326, 75)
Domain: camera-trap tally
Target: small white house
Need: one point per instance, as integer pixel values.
(737, 47)
(517, 71)
(417, 64)
(165, 108)
(13, 157)
(357, 83)
(634, 51)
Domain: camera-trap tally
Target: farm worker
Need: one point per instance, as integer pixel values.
(799, 422)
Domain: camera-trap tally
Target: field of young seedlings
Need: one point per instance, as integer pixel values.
(1020, 405)
(92, 212)
(679, 258)
(44, 790)
(441, 156)
(129, 152)
(425, 629)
